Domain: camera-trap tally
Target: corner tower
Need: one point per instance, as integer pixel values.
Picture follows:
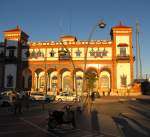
(13, 41)
(122, 55)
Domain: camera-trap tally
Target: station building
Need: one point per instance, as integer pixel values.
(57, 66)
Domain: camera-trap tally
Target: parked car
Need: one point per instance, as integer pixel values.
(39, 96)
(5, 100)
(66, 97)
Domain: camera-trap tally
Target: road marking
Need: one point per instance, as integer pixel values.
(37, 127)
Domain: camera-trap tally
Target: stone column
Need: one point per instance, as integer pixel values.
(73, 80)
(58, 83)
(33, 80)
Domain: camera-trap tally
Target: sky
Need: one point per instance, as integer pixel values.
(45, 20)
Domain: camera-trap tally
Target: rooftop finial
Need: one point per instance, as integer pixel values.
(120, 23)
(17, 27)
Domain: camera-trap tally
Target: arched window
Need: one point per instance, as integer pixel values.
(9, 80)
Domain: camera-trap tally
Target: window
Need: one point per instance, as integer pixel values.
(27, 53)
(33, 54)
(11, 53)
(92, 53)
(9, 81)
(123, 51)
(78, 53)
(52, 53)
(12, 43)
(39, 53)
(124, 80)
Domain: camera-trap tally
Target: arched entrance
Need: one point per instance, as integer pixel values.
(54, 85)
(79, 82)
(91, 80)
(39, 80)
(105, 82)
(67, 84)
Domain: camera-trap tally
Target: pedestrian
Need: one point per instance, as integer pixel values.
(92, 96)
(14, 101)
(91, 101)
(26, 99)
(17, 102)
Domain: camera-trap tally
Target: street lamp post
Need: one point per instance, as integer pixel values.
(70, 58)
(45, 74)
(101, 24)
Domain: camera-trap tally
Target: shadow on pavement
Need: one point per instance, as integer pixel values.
(127, 129)
(144, 113)
(94, 121)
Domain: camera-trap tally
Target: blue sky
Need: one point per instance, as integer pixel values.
(45, 20)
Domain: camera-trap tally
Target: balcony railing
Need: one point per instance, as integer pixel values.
(10, 58)
(123, 57)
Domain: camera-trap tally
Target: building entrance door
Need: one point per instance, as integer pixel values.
(67, 84)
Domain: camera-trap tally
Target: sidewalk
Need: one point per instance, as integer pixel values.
(96, 122)
(111, 99)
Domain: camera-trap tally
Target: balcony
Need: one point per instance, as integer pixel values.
(123, 57)
(10, 59)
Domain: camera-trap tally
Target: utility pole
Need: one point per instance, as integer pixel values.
(45, 62)
(137, 50)
(138, 54)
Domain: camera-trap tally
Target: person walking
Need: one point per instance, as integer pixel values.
(14, 101)
(17, 102)
(92, 99)
(26, 99)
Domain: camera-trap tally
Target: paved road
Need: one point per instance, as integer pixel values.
(107, 119)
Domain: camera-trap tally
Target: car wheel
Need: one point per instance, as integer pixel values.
(59, 99)
(52, 124)
(47, 100)
(74, 100)
(5, 104)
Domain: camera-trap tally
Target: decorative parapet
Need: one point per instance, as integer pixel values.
(92, 42)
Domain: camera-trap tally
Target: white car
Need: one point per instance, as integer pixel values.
(39, 96)
(66, 98)
(6, 98)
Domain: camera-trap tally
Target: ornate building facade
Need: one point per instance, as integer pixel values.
(56, 66)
